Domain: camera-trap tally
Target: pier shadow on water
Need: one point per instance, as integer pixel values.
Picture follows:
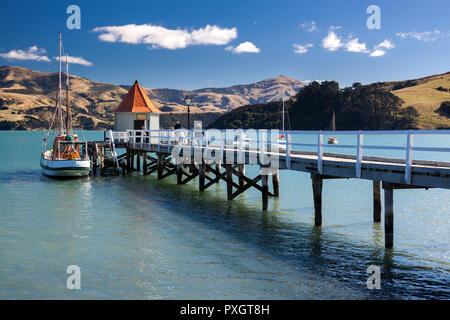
(321, 251)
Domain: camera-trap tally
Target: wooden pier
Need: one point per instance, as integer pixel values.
(169, 152)
(104, 157)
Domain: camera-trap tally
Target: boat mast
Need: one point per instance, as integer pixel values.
(333, 121)
(59, 89)
(283, 113)
(67, 95)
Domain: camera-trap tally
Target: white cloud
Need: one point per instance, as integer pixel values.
(32, 53)
(301, 49)
(421, 36)
(244, 47)
(160, 37)
(381, 48)
(75, 60)
(309, 81)
(332, 41)
(309, 26)
(353, 45)
(35, 49)
(387, 44)
(378, 53)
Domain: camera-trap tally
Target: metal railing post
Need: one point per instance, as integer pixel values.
(257, 141)
(319, 151)
(168, 141)
(159, 139)
(192, 142)
(288, 151)
(359, 154)
(409, 156)
(241, 160)
(222, 145)
(205, 152)
(263, 146)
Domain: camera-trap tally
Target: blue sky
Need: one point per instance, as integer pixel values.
(169, 44)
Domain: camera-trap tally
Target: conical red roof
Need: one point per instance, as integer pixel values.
(136, 100)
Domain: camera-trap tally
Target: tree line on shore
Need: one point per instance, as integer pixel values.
(359, 107)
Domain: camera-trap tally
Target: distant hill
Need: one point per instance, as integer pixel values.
(27, 99)
(418, 103)
(225, 99)
(426, 95)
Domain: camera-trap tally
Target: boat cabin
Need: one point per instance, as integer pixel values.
(136, 111)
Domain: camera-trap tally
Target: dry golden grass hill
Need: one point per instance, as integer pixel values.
(425, 95)
(27, 98)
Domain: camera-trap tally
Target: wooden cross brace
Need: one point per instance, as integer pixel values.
(180, 172)
(247, 183)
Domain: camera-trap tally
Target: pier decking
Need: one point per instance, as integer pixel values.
(192, 154)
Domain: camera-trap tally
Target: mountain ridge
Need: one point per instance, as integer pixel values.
(27, 97)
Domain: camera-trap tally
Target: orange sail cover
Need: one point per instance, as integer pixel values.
(136, 100)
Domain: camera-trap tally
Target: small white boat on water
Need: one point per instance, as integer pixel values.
(68, 157)
(333, 140)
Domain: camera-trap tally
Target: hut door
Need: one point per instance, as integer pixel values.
(139, 124)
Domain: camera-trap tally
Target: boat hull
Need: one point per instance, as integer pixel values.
(333, 140)
(65, 168)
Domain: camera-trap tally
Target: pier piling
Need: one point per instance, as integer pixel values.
(201, 176)
(317, 182)
(94, 160)
(138, 161)
(160, 166)
(376, 201)
(218, 166)
(144, 163)
(123, 166)
(265, 191)
(276, 184)
(179, 173)
(241, 170)
(229, 182)
(388, 217)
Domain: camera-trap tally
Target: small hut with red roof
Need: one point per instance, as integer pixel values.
(136, 111)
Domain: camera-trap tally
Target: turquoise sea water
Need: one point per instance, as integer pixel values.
(137, 237)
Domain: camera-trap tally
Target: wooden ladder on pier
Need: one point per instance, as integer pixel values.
(107, 155)
(113, 149)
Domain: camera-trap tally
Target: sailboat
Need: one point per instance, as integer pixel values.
(282, 139)
(333, 140)
(69, 156)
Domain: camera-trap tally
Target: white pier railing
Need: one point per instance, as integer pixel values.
(259, 139)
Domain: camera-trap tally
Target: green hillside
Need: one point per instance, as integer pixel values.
(383, 105)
